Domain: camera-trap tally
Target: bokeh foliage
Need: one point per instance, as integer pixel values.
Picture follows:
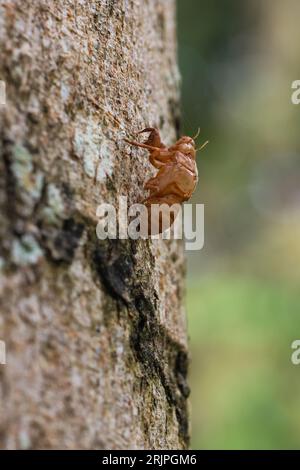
(238, 60)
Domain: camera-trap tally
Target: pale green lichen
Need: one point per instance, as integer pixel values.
(54, 210)
(95, 150)
(87, 144)
(29, 183)
(26, 251)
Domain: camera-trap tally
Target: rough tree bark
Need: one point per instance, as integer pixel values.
(95, 331)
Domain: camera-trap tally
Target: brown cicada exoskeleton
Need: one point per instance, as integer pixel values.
(177, 174)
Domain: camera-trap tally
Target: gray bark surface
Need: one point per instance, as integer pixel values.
(95, 330)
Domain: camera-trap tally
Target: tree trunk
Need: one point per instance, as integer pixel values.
(94, 330)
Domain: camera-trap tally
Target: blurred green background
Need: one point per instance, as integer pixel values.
(238, 59)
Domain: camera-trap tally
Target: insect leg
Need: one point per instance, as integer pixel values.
(144, 146)
(154, 137)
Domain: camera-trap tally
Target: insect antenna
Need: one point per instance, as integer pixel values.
(197, 133)
(202, 146)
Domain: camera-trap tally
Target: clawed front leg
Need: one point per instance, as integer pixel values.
(154, 137)
(153, 143)
(144, 146)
